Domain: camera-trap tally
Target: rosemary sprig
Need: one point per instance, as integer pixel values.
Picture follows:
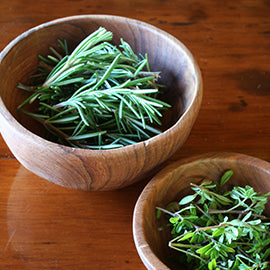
(98, 96)
(215, 229)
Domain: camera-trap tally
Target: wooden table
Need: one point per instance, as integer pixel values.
(44, 226)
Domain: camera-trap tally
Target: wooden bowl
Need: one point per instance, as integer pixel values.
(173, 182)
(98, 169)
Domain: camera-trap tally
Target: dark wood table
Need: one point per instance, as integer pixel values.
(44, 226)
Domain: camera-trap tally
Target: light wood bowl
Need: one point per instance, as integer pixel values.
(98, 169)
(173, 182)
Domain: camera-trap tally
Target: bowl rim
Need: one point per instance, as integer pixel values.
(145, 252)
(196, 98)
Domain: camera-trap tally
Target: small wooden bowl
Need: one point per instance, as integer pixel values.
(173, 182)
(98, 169)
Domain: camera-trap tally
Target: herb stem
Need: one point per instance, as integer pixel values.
(216, 211)
(205, 213)
(236, 206)
(168, 212)
(187, 252)
(258, 266)
(210, 227)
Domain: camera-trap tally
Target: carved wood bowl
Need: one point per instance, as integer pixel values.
(173, 182)
(98, 169)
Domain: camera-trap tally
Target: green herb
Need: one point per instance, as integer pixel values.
(97, 97)
(217, 229)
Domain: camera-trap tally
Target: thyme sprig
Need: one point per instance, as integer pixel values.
(99, 96)
(216, 229)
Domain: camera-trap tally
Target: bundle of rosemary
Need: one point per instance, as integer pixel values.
(97, 97)
(215, 229)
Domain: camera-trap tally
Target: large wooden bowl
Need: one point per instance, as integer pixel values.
(98, 169)
(173, 182)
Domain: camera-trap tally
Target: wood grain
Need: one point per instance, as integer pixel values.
(82, 231)
(230, 42)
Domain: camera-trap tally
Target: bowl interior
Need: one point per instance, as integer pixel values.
(173, 182)
(165, 53)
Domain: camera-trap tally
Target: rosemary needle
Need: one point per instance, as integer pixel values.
(99, 96)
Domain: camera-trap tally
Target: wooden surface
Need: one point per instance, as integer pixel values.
(44, 226)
